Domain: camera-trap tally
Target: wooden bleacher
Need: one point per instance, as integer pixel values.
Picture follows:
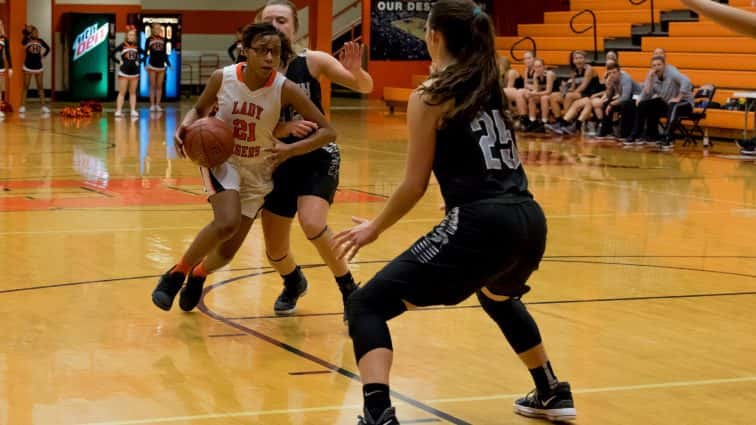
(706, 52)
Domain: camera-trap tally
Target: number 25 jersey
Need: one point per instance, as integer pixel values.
(478, 160)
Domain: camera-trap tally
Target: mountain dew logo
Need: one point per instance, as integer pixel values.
(88, 39)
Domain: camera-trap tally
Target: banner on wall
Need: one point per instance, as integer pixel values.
(397, 29)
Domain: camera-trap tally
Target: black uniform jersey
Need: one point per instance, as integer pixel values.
(5, 57)
(299, 73)
(156, 50)
(36, 49)
(130, 55)
(478, 160)
(236, 52)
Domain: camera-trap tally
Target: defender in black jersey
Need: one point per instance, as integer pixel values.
(36, 49)
(6, 65)
(494, 233)
(157, 61)
(236, 49)
(306, 185)
(130, 55)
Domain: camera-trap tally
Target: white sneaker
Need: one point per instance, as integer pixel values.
(158, 108)
(2, 114)
(118, 114)
(45, 110)
(153, 108)
(22, 110)
(134, 114)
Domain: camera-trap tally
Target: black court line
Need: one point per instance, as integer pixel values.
(317, 360)
(379, 195)
(544, 302)
(562, 258)
(225, 335)
(311, 372)
(71, 135)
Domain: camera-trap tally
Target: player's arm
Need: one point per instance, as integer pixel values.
(738, 20)
(293, 96)
(116, 55)
(346, 71)
(8, 55)
(512, 75)
(46, 47)
(201, 109)
(421, 123)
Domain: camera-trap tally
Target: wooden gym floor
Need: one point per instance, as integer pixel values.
(645, 298)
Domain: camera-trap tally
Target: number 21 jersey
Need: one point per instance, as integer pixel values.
(253, 115)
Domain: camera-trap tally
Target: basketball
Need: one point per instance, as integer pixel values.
(209, 142)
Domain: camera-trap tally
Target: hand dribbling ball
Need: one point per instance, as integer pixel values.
(209, 142)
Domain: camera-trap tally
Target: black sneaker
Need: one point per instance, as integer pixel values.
(666, 146)
(167, 288)
(192, 293)
(555, 128)
(536, 127)
(554, 406)
(286, 303)
(346, 291)
(388, 417)
(571, 129)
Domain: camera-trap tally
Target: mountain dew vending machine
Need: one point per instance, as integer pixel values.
(170, 29)
(89, 71)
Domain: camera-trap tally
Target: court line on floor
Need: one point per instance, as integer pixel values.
(558, 258)
(311, 357)
(406, 221)
(663, 385)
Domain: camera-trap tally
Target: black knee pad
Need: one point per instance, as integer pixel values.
(367, 317)
(514, 320)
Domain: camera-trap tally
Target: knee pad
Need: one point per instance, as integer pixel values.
(367, 321)
(514, 320)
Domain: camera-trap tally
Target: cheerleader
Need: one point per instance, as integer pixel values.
(36, 50)
(156, 63)
(129, 55)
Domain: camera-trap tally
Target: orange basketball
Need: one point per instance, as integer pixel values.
(209, 142)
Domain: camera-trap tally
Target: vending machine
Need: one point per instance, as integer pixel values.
(89, 70)
(170, 26)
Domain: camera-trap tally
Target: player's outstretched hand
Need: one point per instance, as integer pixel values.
(347, 243)
(351, 56)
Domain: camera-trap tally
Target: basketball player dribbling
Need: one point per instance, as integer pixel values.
(306, 185)
(493, 236)
(250, 97)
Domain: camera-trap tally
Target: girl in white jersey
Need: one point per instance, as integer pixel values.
(250, 97)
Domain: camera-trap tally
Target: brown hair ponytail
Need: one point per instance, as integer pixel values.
(473, 81)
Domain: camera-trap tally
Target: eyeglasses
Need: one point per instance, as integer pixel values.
(263, 51)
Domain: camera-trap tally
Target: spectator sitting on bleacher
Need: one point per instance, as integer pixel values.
(665, 93)
(538, 89)
(510, 79)
(620, 90)
(522, 90)
(583, 83)
(582, 110)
